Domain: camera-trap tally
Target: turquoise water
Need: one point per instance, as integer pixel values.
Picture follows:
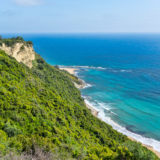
(124, 76)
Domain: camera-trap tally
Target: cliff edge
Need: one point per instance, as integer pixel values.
(19, 49)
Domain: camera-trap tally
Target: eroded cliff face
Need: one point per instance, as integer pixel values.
(21, 52)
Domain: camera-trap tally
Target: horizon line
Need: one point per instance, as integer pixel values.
(75, 33)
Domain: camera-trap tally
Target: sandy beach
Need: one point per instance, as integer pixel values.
(73, 71)
(70, 70)
(95, 112)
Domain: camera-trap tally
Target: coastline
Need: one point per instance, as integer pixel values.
(70, 70)
(93, 110)
(96, 112)
(73, 72)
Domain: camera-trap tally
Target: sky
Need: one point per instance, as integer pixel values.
(79, 16)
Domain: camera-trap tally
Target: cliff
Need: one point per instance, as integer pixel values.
(19, 49)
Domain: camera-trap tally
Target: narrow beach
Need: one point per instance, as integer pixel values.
(70, 70)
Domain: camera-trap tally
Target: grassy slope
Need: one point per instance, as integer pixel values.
(41, 107)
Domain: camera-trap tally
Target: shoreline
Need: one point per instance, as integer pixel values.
(73, 72)
(93, 110)
(69, 70)
(96, 112)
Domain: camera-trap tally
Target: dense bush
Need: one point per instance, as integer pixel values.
(12, 41)
(41, 107)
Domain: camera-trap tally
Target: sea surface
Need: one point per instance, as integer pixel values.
(123, 76)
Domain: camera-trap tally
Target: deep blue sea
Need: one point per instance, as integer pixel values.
(123, 76)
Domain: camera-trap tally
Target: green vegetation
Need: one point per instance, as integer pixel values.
(73, 77)
(41, 107)
(12, 41)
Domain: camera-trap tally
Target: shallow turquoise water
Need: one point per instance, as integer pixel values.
(124, 74)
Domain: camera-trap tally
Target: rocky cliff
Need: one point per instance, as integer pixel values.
(21, 52)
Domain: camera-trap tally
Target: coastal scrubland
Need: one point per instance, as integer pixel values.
(43, 116)
(12, 41)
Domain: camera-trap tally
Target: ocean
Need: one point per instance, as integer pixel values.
(123, 76)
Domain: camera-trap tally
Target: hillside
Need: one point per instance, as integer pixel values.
(43, 115)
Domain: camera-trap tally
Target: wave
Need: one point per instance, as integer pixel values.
(120, 70)
(101, 107)
(82, 67)
(103, 68)
(106, 107)
(87, 85)
(84, 84)
(97, 68)
(90, 104)
(123, 70)
(98, 105)
(91, 67)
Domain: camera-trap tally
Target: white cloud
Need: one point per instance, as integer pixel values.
(27, 2)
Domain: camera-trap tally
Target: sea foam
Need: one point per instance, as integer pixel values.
(87, 85)
(100, 107)
(83, 67)
(91, 67)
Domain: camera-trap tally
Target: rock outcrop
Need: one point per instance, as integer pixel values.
(21, 52)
